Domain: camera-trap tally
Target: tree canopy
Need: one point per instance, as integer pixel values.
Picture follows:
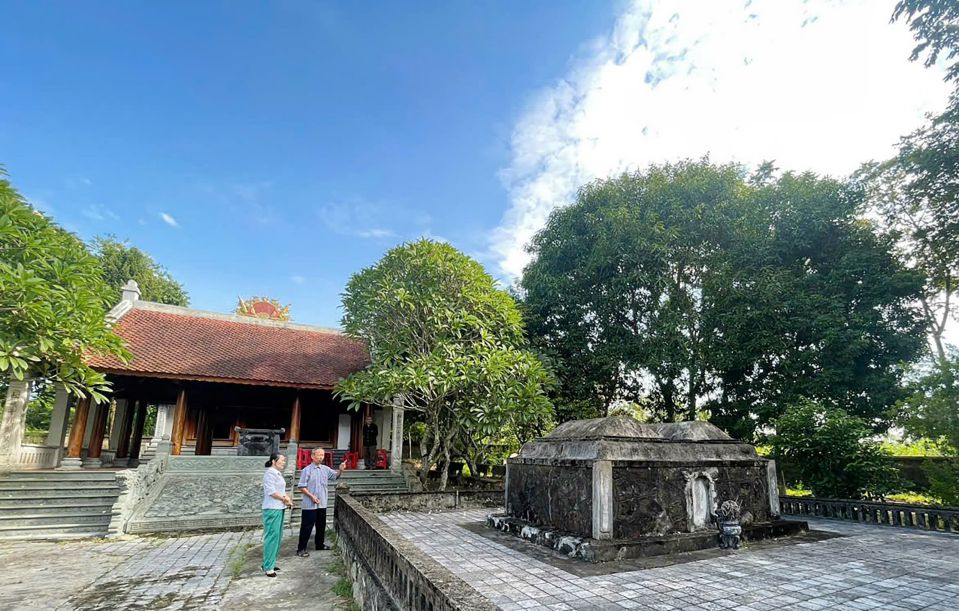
(697, 291)
(52, 300)
(121, 262)
(447, 343)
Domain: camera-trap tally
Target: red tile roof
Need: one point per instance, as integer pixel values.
(193, 346)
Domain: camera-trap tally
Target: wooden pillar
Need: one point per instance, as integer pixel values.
(204, 433)
(295, 420)
(179, 422)
(79, 428)
(123, 444)
(96, 436)
(136, 436)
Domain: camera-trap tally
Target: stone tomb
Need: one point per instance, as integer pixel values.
(614, 488)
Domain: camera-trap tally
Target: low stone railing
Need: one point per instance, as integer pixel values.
(38, 456)
(944, 519)
(390, 572)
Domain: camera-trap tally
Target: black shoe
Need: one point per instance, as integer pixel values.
(276, 568)
(323, 547)
(303, 553)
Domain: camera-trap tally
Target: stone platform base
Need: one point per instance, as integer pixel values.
(595, 550)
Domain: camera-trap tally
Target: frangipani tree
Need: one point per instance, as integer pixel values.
(52, 301)
(449, 344)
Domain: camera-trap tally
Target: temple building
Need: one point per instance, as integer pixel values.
(203, 374)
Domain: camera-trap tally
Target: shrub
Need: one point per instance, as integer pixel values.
(833, 452)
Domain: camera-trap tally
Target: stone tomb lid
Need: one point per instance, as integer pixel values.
(624, 438)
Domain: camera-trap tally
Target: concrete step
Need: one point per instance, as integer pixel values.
(49, 483)
(76, 506)
(48, 492)
(48, 533)
(92, 520)
(58, 475)
(55, 498)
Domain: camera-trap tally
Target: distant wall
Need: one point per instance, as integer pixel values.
(910, 470)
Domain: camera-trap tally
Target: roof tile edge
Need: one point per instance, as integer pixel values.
(249, 320)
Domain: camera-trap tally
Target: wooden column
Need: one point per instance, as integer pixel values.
(123, 445)
(96, 435)
(179, 423)
(79, 428)
(136, 436)
(204, 433)
(295, 420)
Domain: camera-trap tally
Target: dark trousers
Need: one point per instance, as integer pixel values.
(310, 518)
(371, 455)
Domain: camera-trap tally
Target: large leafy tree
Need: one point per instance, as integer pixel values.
(448, 344)
(694, 290)
(121, 262)
(52, 306)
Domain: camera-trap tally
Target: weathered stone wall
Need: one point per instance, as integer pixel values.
(553, 493)
(430, 501)
(203, 493)
(651, 498)
(391, 573)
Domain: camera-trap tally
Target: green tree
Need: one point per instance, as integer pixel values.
(931, 411)
(52, 308)
(121, 262)
(448, 344)
(832, 452)
(691, 288)
(935, 26)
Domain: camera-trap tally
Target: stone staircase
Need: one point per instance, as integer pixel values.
(56, 504)
(359, 481)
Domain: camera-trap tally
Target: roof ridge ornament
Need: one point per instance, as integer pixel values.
(262, 307)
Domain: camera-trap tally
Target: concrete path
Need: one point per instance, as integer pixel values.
(848, 566)
(213, 571)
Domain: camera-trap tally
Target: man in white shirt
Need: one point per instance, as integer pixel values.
(314, 484)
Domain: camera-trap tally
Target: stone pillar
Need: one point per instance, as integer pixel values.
(95, 446)
(77, 431)
(59, 419)
(179, 423)
(396, 441)
(14, 417)
(602, 499)
(773, 484)
(163, 432)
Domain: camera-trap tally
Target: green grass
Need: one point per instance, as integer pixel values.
(238, 559)
(343, 586)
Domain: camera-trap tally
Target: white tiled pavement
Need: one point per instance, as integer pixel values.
(870, 567)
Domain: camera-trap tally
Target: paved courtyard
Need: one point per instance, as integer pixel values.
(212, 571)
(850, 566)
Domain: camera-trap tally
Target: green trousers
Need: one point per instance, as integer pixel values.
(272, 534)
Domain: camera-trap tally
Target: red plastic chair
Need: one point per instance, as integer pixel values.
(352, 460)
(382, 459)
(303, 457)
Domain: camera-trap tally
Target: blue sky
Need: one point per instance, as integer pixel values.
(292, 143)
(275, 148)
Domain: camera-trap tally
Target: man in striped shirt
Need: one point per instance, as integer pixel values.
(314, 483)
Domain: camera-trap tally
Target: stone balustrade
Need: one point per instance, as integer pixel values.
(944, 519)
(34, 456)
(390, 572)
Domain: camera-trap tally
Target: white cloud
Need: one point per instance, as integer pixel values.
(376, 232)
(818, 85)
(371, 220)
(298, 279)
(169, 220)
(97, 212)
